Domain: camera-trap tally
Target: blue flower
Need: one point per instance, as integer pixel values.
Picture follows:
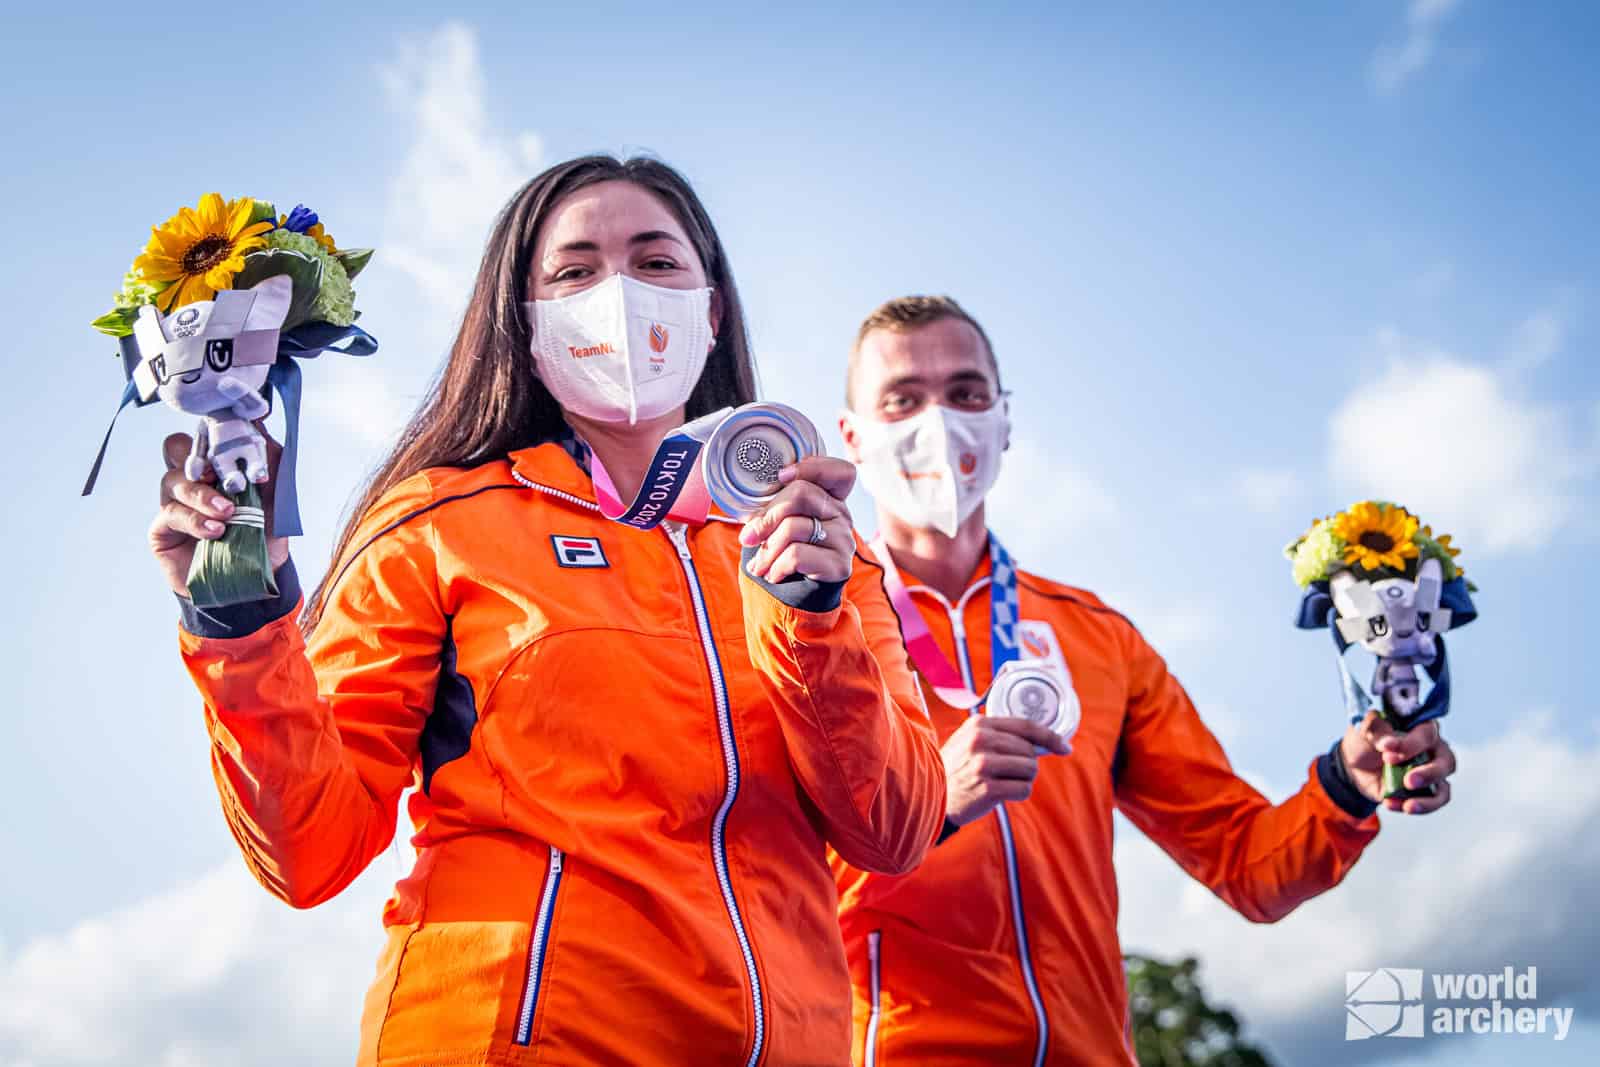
(299, 220)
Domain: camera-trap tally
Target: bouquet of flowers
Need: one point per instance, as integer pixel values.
(211, 319)
(1378, 578)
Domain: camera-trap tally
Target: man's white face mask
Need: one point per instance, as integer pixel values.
(933, 469)
(622, 350)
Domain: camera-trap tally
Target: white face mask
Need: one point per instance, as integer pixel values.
(622, 350)
(934, 468)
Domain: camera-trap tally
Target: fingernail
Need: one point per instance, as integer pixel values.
(788, 474)
(222, 503)
(213, 526)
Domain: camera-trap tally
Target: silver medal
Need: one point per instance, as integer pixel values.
(1029, 689)
(744, 454)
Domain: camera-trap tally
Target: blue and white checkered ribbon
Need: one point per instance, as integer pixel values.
(1004, 608)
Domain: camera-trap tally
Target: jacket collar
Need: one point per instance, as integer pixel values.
(978, 580)
(561, 465)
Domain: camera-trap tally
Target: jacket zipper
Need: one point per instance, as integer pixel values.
(558, 494)
(536, 948)
(730, 758)
(959, 630)
(875, 989)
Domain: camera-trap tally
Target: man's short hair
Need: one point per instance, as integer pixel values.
(907, 313)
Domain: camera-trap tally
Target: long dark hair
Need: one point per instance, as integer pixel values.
(486, 400)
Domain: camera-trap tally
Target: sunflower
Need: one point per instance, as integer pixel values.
(200, 249)
(1377, 535)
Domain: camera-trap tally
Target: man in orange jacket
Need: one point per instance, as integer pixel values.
(1002, 947)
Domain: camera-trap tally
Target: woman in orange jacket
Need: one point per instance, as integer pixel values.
(630, 748)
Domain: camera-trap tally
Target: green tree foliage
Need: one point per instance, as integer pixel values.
(1173, 1026)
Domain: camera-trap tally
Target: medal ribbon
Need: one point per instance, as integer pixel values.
(926, 655)
(673, 487)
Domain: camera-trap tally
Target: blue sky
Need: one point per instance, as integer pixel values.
(1241, 265)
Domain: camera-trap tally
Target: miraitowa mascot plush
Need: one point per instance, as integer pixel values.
(211, 359)
(213, 320)
(1377, 578)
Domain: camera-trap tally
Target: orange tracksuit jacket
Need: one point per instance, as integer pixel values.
(1002, 947)
(629, 757)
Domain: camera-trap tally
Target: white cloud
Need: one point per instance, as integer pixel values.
(214, 971)
(456, 173)
(1541, 335)
(1397, 62)
(1459, 444)
(363, 402)
(1046, 505)
(1168, 620)
(1500, 877)
(459, 171)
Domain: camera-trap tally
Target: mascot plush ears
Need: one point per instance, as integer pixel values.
(1399, 620)
(212, 359)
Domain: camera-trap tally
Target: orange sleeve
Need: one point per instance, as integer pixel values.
(851, 711)
(312, 750)
(1175, 783)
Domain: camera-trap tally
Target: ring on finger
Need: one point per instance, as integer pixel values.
(818, 533)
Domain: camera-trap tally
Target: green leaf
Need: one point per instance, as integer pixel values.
(303, 270)
(354, 260)
(262, 211)
(116, 323)
(233, 569)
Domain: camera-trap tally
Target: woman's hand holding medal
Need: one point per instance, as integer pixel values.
(806, 528)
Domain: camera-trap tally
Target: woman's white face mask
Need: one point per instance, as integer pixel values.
(933, 469)
(622, 350)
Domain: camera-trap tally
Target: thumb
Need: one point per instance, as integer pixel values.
(1377, 732)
